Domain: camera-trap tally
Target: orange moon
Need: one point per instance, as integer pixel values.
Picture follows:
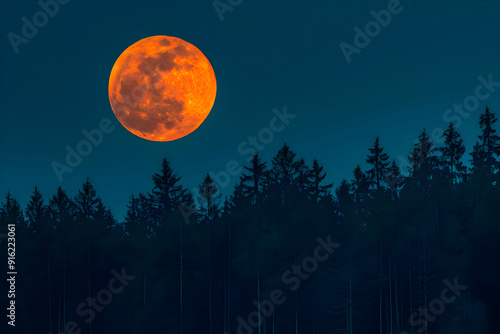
(162, 88)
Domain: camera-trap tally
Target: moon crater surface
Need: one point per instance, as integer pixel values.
(162, 88)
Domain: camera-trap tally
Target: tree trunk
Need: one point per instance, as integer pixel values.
(180, 280)
(48, 279)
(380, 287)
(209, 282)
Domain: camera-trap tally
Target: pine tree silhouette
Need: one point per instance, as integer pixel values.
(379, 162)
(452, 152)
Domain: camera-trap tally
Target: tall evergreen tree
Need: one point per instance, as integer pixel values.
(36, 212)
(167, 198)
(167, 192)
(421, 153)
(209, 198)
(302, 180)
(11, 212)
(317, 191)
(254, 182)
(487, 150)
(104, 218)
(133, 223)
(379, 161)
(60, 212)
(283, 169)
(60, 206)
(209, 212)
(360, 185)
(394, 178)
(86, 202)
(282, 174)
(452, 153)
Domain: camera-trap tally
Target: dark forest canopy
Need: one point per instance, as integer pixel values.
(406, 245)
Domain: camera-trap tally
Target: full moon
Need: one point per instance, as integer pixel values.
(162, 88)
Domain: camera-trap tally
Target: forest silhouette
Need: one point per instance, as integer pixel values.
(203, 263)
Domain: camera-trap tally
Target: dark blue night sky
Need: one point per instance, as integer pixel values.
(265, 56)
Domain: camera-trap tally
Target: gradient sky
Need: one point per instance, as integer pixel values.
(265, 54)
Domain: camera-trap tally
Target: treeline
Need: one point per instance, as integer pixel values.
(416, 253)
